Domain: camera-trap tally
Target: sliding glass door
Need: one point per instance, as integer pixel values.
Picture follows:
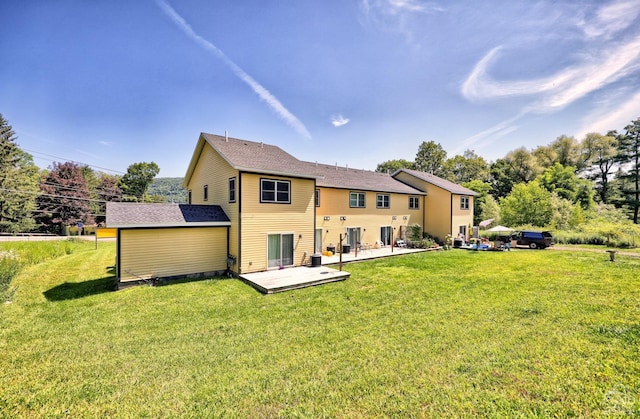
(280, 250)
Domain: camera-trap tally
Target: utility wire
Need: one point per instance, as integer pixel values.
(70, 160)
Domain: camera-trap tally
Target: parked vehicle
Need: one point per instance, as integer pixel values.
(533, 239)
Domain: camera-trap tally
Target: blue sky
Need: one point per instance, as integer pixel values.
(110, 83)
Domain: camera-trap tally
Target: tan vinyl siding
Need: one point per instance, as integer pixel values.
(172, 251)
(437, 207)
(334, 203)
(462, 216)
(211, 169)
(260, 219)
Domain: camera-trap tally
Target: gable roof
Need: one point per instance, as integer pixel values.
(250, 156)
(258, 157)
(454, 188)
(133, 214)
(356, 179)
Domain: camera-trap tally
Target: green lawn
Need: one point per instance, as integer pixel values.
(438, 334)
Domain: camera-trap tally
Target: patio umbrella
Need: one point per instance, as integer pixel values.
(485, 223)
(499, 228)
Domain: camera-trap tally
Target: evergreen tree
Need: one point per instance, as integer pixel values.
(599, 157)
(18, 183)
(629, 158)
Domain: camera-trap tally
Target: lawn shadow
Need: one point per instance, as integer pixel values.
(74, 290)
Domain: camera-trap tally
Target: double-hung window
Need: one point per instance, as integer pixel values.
(317, 197)
(275, 191)
(382, 201)
(232, 189)
(356, 200)
(414, 203)
(464, 202)
(205, 195)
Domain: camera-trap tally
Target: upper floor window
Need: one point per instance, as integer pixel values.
(382, 201)
(275, 191)
(317, 197)
(232, 189)
(414, 202)
(205, 195)
(189, 196)
(464, 202)
(356, 200)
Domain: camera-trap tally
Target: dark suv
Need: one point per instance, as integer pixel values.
(533, 239)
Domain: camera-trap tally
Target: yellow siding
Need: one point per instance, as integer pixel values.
(211, 169)
(334, 203)
(437, 208)
(172, 251)
(260, 219)
(462, 217)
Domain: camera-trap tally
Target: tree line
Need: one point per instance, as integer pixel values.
(562, 185)
(67, 193)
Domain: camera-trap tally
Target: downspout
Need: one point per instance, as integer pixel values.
(118, 249)
(239, 198)
(451, 215)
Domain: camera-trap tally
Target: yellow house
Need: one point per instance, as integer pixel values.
(277, 211)
(448, 208)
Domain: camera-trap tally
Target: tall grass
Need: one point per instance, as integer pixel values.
(16, 255)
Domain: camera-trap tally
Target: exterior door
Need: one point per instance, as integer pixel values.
(386, 233)
(279, 250)
(318, 239)
(353, 236)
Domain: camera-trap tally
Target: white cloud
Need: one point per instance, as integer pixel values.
(489, 135)
(601, 63)
(339, 120)
(611, 114)
(611, 19)
(261, 91)
(399, 16)
(563, 88)
(105, 143)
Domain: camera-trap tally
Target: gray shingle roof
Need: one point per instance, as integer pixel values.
(346, 178)
(258, 157)
(131, 214)
(269, 159)
(439, 182)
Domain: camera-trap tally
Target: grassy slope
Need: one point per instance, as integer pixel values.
(534, 333)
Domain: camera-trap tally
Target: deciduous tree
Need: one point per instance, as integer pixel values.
(466, 168)
(528, 203)
(136, 181)
(391, 166)
(430, 158)
(64, 198)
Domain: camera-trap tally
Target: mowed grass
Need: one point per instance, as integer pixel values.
(438, 334)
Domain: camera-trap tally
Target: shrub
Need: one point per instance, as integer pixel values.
(415, 232)
(421, 244)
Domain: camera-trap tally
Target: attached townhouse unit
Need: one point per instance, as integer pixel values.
(273, 210)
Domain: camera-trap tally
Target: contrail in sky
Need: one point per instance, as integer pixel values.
(264, 94)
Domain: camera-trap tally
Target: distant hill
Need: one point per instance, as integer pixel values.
(170, 188)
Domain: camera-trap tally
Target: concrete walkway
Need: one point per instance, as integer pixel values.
(372, 254)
